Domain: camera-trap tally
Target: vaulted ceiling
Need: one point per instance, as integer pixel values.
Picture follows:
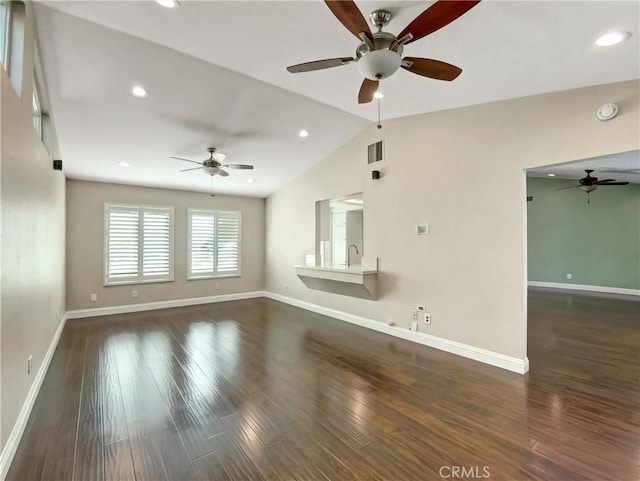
(215, 76)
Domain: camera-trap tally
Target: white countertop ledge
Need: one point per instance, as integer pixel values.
(356, 269)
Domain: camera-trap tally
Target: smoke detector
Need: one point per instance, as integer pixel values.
(607, 111)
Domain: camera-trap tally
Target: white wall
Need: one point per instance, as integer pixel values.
(32, 240)
(85, 245)
(461, 171)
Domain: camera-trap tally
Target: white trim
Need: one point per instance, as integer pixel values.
(215, 215)
(10, 448)
(525, 260)
(140, 278)
(520, 366)
(582, 287)
(150, 306)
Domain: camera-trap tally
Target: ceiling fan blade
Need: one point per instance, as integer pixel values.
(437, 16)
(192, 168)
(223, 173)
(605, 180)
(568, 187)
(186, 160)
(238, 166)
(367, 90)
(611, 183)
(350, 16)
(428, 67)
(320, 64)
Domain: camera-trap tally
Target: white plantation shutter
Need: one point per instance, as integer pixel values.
(228, 243)
(201, 244)
(156, 247)
(122, 243)
(138, 244)
(214, 243)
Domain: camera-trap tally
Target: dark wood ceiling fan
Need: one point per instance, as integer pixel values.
(379, 55)
(589, 184)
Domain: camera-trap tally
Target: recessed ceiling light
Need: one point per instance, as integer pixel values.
(139, 91)
(612, 38)
(169, 3)
(123, 164)
(551, 175)
(251, 181)
(303, 133)
(378, 95)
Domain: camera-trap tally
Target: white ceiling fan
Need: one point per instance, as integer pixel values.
(212, 166)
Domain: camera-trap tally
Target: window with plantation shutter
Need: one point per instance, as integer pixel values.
(138, 244)
(214, 243)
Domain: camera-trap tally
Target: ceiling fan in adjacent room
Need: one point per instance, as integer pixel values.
(379, 54)
(589, 184)
(212, 165)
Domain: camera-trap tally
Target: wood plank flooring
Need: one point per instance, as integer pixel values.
(257, 390)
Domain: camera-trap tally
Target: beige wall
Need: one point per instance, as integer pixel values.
(461, 171)
(32, 240)
(85, 245)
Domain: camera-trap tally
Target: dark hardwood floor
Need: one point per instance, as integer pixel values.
(257, 390)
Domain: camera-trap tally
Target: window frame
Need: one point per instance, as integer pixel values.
(14, 54)
(6, 45)
(140, 278)
(36, 108)
(214, 274)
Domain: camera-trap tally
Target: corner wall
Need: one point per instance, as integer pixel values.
(32, 201)
(85, 245)
(598, 243)
(461, 171)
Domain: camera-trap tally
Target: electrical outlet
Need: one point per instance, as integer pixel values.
(427, 318)
(134, 293)
(29, 364)
(217, 286)
(94, 297)
(569, 276)
(414, 315)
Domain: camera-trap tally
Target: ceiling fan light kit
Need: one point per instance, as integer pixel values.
(379, 64)
(379, 55)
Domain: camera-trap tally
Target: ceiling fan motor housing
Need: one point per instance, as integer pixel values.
(382, 62)
(211, 166)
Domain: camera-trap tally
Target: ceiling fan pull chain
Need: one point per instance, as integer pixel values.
(379, 126)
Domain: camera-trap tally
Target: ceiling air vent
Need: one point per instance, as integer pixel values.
(374, 153)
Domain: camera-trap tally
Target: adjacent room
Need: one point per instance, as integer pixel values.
(229, 255)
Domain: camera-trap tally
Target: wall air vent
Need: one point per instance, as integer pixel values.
(375, 153)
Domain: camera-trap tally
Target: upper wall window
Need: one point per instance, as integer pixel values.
(37, 110)
(12, 18)
(138, 244)
(4, 31)
(214, 244)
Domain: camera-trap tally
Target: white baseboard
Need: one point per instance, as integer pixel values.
(582, 287)
(520, 366)
(10, 448)
(150, 306)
